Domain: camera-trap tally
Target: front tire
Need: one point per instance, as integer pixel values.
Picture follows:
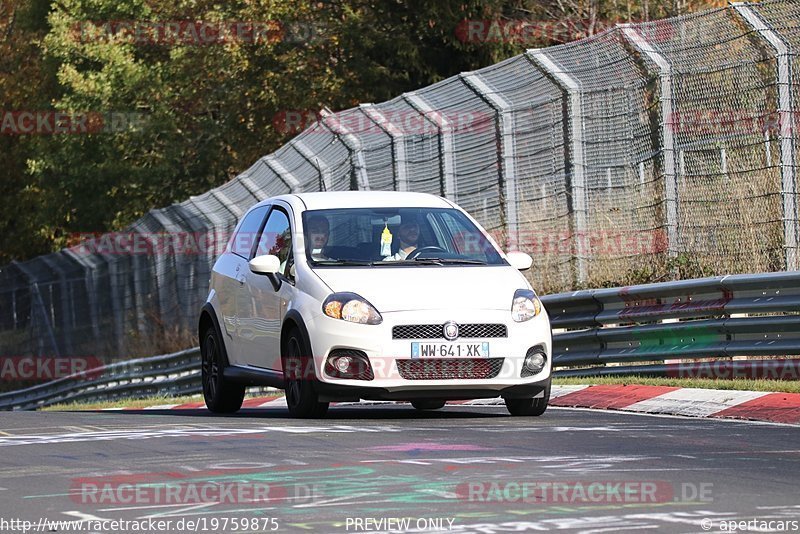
(427, 404)
(221, 396)
(301, 396)
(529, 407)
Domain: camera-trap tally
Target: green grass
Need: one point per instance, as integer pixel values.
(740, 384)
(123, 403)
(137, 403)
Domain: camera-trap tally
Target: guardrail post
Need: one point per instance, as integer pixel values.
(322, 167)
(353, 144)
(445, 129)
(667, 133)
(786, 130)
(577, 178)
(508, 174)
(398, 144)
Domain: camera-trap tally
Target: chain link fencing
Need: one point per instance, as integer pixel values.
(637, 150)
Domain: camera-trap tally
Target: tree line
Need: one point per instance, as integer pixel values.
(113, 107)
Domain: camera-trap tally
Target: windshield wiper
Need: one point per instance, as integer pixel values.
(344, 262)
(415, 261)
(441, 261)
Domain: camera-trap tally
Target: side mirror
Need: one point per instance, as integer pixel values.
(266, 264)
(519, 260)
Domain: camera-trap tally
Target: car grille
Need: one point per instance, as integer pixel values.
(449, 368)
(434, 331)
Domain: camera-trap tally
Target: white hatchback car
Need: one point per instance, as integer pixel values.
(341, 296)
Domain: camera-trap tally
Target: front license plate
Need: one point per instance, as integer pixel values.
(449, 350)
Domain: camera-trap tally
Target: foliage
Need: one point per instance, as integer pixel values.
(193, 116)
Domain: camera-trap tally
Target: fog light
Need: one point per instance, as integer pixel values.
(343, 363)
(348, 363)
(534, 362)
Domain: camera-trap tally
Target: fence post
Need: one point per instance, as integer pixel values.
(785, 130)
(578, 176)
(398, 144)
(667, 133)
(65, 300)
(508, 173)
(251, 187)
(38, 303)
(288, 178)
(438, 119)
(91, 287)
(322, 167)
(353, 144)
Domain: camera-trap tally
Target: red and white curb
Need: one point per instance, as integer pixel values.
(691, 402)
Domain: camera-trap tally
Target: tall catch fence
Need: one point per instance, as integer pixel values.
(638, 148)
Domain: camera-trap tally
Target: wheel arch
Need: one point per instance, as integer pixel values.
(208, 318)
(291, 321)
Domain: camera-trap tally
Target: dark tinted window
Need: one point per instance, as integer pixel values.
(276, 239)
(242, 243)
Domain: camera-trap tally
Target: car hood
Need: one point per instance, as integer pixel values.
(392, 289)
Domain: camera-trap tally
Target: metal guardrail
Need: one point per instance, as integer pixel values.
(169, 375)
(719, 317)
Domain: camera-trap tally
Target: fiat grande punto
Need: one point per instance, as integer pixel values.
(342, 296)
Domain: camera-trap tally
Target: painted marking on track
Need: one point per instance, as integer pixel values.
(419, 447)
(149, 506)
(189, 433)
(84, 516)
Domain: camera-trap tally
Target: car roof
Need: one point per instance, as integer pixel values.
(372, 199)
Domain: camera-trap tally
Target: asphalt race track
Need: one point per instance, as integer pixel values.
(369, 468)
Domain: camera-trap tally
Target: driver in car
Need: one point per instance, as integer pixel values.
(318, 230)
(408, 235)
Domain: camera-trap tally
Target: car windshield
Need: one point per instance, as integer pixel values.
(388, 237)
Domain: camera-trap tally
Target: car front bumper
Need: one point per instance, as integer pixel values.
(384, 352)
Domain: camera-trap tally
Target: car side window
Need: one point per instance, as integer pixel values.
(276, 237)
(242, 242)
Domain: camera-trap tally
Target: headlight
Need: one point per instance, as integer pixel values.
(525, 306)
(351, 307)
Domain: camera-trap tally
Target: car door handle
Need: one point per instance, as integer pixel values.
(240, 279)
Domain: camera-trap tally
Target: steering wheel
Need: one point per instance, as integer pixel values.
(417, 251)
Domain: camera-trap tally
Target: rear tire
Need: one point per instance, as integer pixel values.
(427, 404)
(301, 396)
(529, 407)
(221, 396)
